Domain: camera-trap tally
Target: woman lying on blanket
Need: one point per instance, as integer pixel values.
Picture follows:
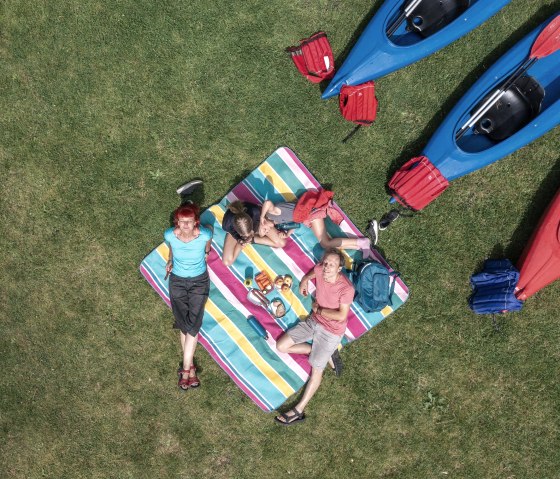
(189, 284)
(243, 224)
(311, 210)
(246, 223)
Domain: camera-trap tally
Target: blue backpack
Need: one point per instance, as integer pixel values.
(493, 288)
(374, 285)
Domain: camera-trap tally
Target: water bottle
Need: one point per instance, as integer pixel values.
(288, 226)
(258, 327)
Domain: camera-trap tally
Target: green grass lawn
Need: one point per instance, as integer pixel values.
(107, 107)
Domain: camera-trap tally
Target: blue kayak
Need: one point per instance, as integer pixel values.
(529, 109)
(428, 28)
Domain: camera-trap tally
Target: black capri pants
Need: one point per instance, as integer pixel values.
(188, 297)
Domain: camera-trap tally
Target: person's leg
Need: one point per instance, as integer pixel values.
(189, 346)
(310, 389)
(199, 288)
(287, 345)
(273, 238)
(179, 297)
(231, 250)
(183, 371)
(295, 339)
(324, 343)
(320, 232)
(296, 413)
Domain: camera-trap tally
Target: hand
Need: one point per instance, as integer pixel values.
(169, 267)
(303, 287)
(264, 228)
(315, 306)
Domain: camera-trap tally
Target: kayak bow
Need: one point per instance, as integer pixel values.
(530, 109)
(376, 53)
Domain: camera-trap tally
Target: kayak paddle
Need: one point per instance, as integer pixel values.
(545, 44)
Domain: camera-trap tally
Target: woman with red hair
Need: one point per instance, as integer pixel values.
(189, 245)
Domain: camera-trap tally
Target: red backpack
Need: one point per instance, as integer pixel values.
(358, 103)
(314, 57)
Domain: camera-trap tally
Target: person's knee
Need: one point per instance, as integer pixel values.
(284, 343)
(280, 243)
(282, 347)
(317, 373)
(326, 243)
(228, 261)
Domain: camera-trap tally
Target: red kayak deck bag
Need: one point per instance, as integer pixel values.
(358, 103)
(313, 57)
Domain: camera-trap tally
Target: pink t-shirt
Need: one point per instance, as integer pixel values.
(331, 296)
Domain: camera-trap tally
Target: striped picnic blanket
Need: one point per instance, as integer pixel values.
(265, 375)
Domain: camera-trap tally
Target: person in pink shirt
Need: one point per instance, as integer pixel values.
(325, 326)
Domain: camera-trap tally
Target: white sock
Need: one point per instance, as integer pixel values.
(363, 243)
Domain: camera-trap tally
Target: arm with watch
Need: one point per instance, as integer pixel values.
(208, 245)
(339, 314)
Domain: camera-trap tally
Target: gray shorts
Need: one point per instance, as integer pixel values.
(324, 342)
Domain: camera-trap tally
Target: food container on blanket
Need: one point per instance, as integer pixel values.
(276, 307)
(264, 282)
(283, 283)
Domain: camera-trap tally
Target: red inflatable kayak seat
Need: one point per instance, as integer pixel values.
(417, 183)
(358, 103)
(313, 57)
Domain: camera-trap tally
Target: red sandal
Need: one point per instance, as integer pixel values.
(183, 383)
(193, 382)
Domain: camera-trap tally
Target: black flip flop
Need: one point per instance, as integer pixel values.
(338, 365)
(293, 419)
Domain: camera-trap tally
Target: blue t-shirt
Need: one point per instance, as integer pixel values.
(189, 259)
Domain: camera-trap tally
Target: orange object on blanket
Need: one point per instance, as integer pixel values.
(264, 282)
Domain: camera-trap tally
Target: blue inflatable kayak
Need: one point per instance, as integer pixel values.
(526, 110)
(430, 26)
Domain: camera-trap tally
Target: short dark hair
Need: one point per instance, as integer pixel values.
(334, 252)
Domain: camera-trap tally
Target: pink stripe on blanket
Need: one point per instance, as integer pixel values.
(245, 194)
(264, 317)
